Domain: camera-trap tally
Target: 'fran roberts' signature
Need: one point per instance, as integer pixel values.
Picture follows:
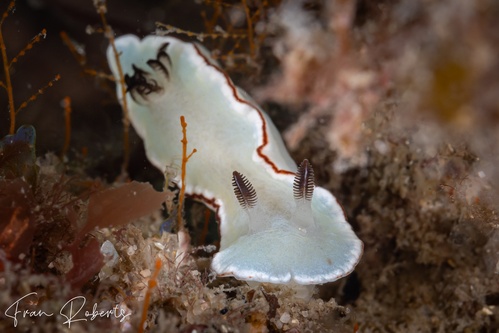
(72, 311)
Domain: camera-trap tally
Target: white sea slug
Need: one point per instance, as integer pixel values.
(275, 225)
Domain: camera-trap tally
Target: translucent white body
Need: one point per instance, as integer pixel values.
(279, 240)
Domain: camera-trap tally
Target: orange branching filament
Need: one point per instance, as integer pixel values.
(237, 41)
(38, 93)
(153, 282)
(7, 66)
(185, 158)
(67, 121)
(79, 54)
(7, 85)
(101, 8)
(29, 46)
(167, 29)
(75, 50)
(249, 23)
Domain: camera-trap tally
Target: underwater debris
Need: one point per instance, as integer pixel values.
(18, 179)
(18, 155)
(122, 204)
(17, 226)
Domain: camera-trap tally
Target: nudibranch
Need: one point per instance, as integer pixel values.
(275, 225)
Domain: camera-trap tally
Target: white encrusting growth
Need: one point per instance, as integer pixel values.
(276, 225)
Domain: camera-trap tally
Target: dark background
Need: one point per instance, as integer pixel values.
(96, 117)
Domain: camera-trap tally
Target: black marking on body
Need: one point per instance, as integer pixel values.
(158, 66)
(142, 83)
(244, 191)
(163, 55)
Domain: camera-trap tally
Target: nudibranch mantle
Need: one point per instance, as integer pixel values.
(278, 227)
